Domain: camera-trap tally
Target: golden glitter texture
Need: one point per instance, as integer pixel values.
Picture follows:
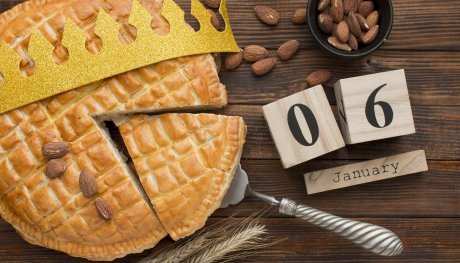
(83, 68)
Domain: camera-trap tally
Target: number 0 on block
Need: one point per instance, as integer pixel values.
(374, 107)
(303, 126)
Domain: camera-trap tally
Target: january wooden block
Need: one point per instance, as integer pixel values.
(365, 172)
(303, 126)
(374, 107)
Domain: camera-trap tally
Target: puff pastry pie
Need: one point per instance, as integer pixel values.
(185, 161)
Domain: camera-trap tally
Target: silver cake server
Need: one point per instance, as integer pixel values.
(376, 239)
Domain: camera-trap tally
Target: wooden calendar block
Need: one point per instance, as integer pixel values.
(374, 107)
(365, 172)
(303, 126)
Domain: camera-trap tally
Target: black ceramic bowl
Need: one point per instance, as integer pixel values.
(385, 9)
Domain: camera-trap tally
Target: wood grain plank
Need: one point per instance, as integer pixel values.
(436, 132)
(417, 25)
(425, 240)
(433, 77)
(429, 194)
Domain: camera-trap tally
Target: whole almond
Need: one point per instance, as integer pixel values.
(288, 49)
(267, 14)
(55, 150)
(103, 209)
(348, 5)
(318, 77)
(343, 32)
(353, 42)
(214, 19)
(55, 168)
(336, 10)
(372, 19)
(212, 3)
(371, 34)
(87, 183)
(353, 24)
(365, 8)
(253, 53)
(335, 42)
(299, 16)
(323, 4)
(362, 22)
(233, 60)
(325, 23)
(263, 66)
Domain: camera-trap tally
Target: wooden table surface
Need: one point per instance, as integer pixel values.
(423, 209)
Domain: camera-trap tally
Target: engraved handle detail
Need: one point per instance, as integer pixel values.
(376, 239)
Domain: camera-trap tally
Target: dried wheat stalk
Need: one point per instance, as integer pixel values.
(226, 240)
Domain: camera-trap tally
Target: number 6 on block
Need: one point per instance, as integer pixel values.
(374, 107)
(303, 126)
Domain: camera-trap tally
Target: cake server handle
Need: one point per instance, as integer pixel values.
(376, 239)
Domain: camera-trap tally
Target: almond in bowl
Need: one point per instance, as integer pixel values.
(350, 28)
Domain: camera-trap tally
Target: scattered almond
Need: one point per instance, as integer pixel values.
(214, 19)
(267, 14)
(212, 3)
(336, 10)
(233, 60)
(372, 19)
(318, 77)
(325, 23)
(263, 66)
(299, 16)
(253, 53)
(353, 24)
(365, 8)
(335, 42)
(362, 22)
(55, 168)
(371, 34)
(87, 183)
(55, 150)
(353, 42)
(288, 49)
(103, 209)
(323, 4)
(343, 32)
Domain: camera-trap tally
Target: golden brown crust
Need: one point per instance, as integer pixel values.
(185, 163)
(54, 213)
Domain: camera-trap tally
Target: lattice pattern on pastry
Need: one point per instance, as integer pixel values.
(67, 117)
(53, 213)
(185, 163)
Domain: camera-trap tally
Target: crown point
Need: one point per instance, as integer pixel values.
(41, 50)
(108, 30)
(9, 63)
(73, 37)
(175, 16)
(140, 18)
(202, 15)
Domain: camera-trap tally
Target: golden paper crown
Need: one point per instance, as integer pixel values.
(83, 67)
